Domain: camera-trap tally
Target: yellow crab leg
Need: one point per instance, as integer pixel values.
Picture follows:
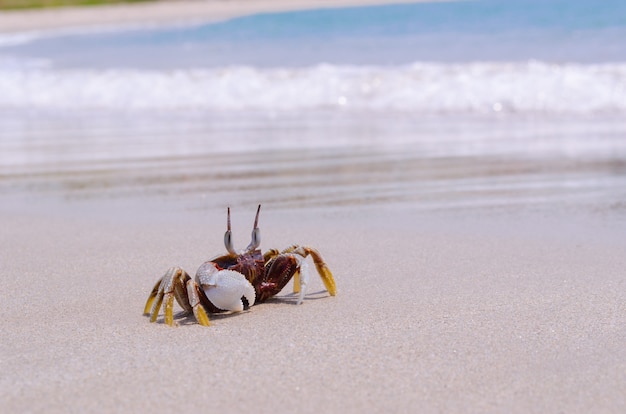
(169, 309)
(156, 307)
(164, 287)
(149, 302)
(170, 288)
(323, 270)
(327, 278)
(194, 301)
(296, 282)
(291, 248)
(270, 254)
(201, 316)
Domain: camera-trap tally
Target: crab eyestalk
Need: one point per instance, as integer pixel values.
(255, 242)
(228, 236)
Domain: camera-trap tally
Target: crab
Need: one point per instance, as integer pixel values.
(237, 280)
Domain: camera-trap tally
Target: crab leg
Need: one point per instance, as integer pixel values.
(320, 265)
(270, 254)
(158, 300)
(170, 287)
(297, 283)
(301, 280)
(323, 270)
(180, 292)
(194, 292)
(150, 301)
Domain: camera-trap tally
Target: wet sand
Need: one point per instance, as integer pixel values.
(330, 160)
(436, 311)
(487, 277)
(160, 12)
(466, 282)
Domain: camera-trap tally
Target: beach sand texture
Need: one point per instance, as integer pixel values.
(182, 11)
(473, 275)
(433, 314)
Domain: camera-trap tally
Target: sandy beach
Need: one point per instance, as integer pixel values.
(503, 293)
(479, 256)
(161, 12)
(436, 312)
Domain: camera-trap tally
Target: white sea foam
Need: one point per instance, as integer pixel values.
(525, 87)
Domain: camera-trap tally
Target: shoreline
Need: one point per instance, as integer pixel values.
(479, 257)
(162, 13)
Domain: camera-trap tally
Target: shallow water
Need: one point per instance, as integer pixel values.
(459, 104)
(429, 163)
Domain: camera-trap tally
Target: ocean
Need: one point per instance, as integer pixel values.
(535, 87)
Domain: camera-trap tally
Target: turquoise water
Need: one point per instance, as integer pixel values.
(491, 30)
(517, 56)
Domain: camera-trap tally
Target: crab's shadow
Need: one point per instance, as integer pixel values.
(292, 298)
(183, 318)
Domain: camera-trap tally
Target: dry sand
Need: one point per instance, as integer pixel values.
(464, 312)
(161, 12)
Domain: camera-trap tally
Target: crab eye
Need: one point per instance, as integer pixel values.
(256, 233)
(228, 242)
(228, 238)
(256, 239)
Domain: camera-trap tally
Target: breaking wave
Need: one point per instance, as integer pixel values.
(524, 87)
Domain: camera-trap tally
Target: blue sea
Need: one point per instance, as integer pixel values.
(530, 56)
(514, 78)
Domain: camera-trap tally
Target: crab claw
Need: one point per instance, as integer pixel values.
(226, 289)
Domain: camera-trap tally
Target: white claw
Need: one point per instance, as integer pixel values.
(304, 279)
(226, 289)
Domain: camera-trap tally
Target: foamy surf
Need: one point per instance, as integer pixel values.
(424, 88)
